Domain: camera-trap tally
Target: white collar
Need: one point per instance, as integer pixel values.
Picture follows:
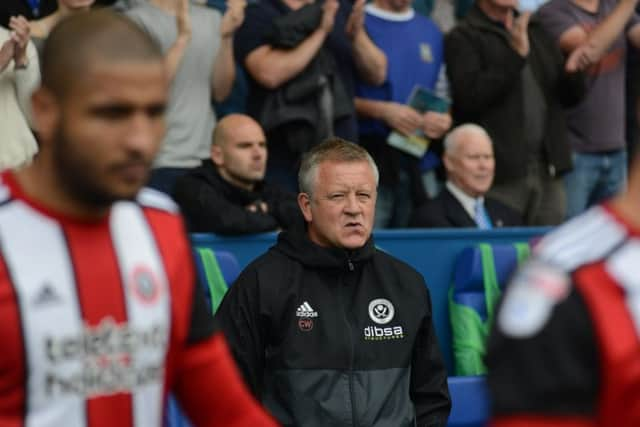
(374, 10)
(467, 202)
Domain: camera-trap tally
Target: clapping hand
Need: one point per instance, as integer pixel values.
(581, 58)
(6, 53)
(183, 19)
(355, 23)
(233, 17)
(20, 35)
(517, 28)
(329, 10)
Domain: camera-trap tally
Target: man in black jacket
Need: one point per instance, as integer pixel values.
(468, 159)
(227, 194)
(327, 329)
(507, 75)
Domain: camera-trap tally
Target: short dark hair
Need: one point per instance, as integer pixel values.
(84, 37)
(336, 149)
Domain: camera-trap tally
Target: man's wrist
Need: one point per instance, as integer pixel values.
(21, 64)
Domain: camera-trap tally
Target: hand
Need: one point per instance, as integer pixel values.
(517, 28)
(355, 23)
(402, 118)
(233, 17)
(258, 206)
(6, 53)
(581, 58)
(329, 9)
(183, 19)
(434, 124)
(20, 35)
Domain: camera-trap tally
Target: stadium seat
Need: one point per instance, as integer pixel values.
(216, 271)
(469, 401)
(480, 273)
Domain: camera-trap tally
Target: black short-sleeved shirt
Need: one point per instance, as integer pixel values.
(251, 35)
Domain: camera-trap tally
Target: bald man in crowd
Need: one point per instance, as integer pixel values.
(470, 165)
(227, 194)
(99, 311)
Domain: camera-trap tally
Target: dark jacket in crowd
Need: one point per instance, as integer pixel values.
(329, 337)
(297, 104)
(486, 85)
(446, 211)
(211, 204)
(9, 8)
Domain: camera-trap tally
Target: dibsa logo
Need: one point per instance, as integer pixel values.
(381, 311)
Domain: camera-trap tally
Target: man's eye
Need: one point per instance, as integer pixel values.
(112, 112)
(364, 196)
(156, 111)
(336, 197)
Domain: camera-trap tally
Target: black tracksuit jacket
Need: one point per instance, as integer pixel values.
(300, 322)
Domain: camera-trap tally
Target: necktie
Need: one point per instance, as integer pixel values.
(482, 218)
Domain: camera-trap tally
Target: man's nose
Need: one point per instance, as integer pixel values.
(142, 133)
(352, 205)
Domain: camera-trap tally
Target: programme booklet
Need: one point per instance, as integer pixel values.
(422, 100)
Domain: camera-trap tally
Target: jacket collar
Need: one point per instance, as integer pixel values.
(296, 244)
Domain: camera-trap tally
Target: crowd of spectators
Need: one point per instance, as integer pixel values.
(545, 79)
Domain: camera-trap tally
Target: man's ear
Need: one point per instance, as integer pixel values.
(448, 165)
(304, 201)
(216, 155)
(45, 108)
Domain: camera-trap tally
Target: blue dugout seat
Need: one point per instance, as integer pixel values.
(216, 271)
(480, 273)
(469, 401)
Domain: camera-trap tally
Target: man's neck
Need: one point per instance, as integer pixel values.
(384, 5)
(240, 183)
(495, 13)
(588, 5)
(168, 6)
(44, 187)
(296, 4)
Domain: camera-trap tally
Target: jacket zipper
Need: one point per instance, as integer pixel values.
(351, 352)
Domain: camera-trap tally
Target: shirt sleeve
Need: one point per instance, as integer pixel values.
(542, 357)
(251, 34)
(211, 390)
(199, 368)
(556, 18)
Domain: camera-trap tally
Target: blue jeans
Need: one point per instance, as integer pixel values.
(393, 205)
(594, 178)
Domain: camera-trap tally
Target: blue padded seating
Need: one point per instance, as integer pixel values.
(469, 401)
(216, 271)
(480, 274)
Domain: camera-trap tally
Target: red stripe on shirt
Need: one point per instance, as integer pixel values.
(100, 295)
(541, 421)
(177, 260)
(12, 357)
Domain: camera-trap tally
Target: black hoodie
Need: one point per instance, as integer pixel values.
(328, 337)
(210, 204)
